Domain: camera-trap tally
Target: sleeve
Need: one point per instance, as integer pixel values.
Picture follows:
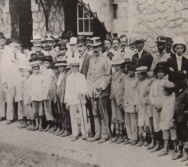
(136, 96)
(107, 77)
(84, 87)
(151, 94)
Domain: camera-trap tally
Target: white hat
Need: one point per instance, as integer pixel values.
(179, 41)
(61, 61)
(141, 69)
(73, 41)
(95, 41)
(36, 38)
(117, 61)
(35, 64)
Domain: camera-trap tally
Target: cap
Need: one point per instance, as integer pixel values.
(141, 69)
(95, 41)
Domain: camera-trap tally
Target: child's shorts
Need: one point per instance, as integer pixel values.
(170, 134)
(117, 113)
(37, 107)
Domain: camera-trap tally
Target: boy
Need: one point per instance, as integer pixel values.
(64, 117)
(76, 88)
(116, 96)
(128, 104)
(36, 95)
(141, 105)
(47, 79)
(166, 117)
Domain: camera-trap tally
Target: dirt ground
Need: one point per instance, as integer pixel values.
(13, 156)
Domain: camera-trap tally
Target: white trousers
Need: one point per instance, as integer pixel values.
(74, 111)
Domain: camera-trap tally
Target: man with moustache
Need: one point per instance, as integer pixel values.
(88, 46)
(98, 78)
(116, 46)
(142, 57)
(161, 55)
(108, 46)
(37, 46)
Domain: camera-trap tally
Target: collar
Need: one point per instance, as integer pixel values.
(140, 53)
(179, 57)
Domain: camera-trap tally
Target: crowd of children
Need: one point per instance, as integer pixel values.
(147, 104)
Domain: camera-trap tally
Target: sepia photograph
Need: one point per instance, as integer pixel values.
(93, 83)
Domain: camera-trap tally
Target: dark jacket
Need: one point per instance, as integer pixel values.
(85, 65)
(172, 63)
(145, 60)
(181, 105)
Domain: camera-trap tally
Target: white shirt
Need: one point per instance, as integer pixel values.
(75, 84)
(140, 53)
(179, 62)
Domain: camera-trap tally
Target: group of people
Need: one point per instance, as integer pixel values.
(120, 94)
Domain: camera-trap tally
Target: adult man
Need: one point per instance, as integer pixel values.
(12, 58)
(169, 43)
(2, 94)
(84, 56)
(98, 78)
(49, 41)
(37, 46)
(161, 56)
(116, 45)
(142, 58)
(108, 46)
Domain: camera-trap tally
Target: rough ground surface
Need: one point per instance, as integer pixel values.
(40, 149)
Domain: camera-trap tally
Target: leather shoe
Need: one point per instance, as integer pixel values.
(134, 142)
(102, 140)
(9, 122)
(74, 138)
(61, 132)
(92, 139)
(65, 133)
(114, 139)
(184, 158)
(120, 140)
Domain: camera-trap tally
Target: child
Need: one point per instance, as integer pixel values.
(52, 96)
(116, 96)
(64, 117)
(47, 79)
(27, 97)
(166, 116)
(19, 99)
(141, 103)
(75, 100)
(128, 103)
(151, 77)
(36, 95)
(156, 99)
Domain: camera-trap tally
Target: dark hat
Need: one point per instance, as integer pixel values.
(62, 45)
(161, 39)
(36, 56)
(61, 61)
(169, 40)
(9, 41)
(160, 66)
(131, 66)
(53, 65)
(88, 39)
(81, 40)
(141, 69)
(96, 41)
(139, 41)
(47, 58)
(2, 36)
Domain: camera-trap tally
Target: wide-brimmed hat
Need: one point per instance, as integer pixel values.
(81, 40)
(139, 41)
(73, 41)
(179, 41)
(16, 40)
(169, 40)
(74, 62)
(35, 64)
(117, 61)
(48, 38)
(132, 40)
(56, 37)
(161, 39)
(36, 38)
(141, 69)
(2, 36)
(47, 58)
(61, 61)
(161, 66)
(95, 41)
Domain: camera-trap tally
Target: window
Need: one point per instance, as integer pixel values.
(84, 21)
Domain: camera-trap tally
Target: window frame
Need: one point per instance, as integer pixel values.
(78, 19)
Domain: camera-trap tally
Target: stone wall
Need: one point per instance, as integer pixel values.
(5, 23)
(150, 18)
(55, 20)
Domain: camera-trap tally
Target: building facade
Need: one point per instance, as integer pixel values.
(146, 18)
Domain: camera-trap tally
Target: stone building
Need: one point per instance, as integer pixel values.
(146, 18)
